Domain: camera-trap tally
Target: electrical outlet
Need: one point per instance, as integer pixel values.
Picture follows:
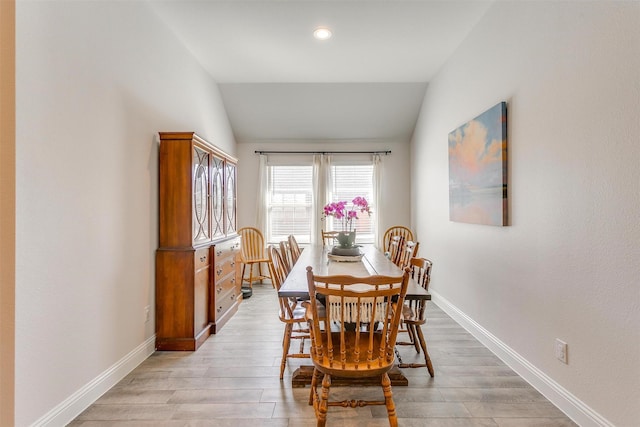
(147, 311)
(561, 351)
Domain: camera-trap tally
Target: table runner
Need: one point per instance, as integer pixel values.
(355, 268)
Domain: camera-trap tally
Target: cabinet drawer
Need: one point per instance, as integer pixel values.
(224, 302)
(225, 284)
(227, 249)
(202, 258)
(224, 267)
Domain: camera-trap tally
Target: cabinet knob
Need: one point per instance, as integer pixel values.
(233, 264)
(202, 258)
(219, 253)
(219, 271)
(219, 289)
(233, 280)
(219, 309)
(232, 297)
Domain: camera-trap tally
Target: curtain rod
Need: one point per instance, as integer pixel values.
(386, 152)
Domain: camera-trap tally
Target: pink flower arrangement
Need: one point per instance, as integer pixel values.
(345, 216)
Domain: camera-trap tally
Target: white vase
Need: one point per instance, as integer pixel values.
(346, 244)
(346, 239)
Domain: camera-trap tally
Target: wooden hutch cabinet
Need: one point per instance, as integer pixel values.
(197, 263)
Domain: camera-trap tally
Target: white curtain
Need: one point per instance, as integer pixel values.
(377, 198)
(321, 186)
(263, 193)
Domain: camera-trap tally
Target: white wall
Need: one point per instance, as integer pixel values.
(95, 82)
(395, 171)
(567, 267)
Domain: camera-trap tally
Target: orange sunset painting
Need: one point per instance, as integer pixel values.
(478, 169)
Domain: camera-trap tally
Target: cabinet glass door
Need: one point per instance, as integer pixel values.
(217, 203)
(230, 205)
(201, 217)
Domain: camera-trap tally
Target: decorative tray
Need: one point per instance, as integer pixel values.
(345, 258)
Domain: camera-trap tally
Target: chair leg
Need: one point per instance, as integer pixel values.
(242, 279)
(388, 400)
(314, 384)
(286, 342)
(301, 349)
(251, 276)
(414, 337)
(423, 344)
(321, 413)
(271, 278)
(267, 277)
(410, 334)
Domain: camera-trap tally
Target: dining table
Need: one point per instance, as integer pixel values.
(370, 261)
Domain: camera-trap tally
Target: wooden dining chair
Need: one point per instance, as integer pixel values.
(396, 249)
(252, 252)
(401, 253)
(408, 250)
(294, 249)
(413, 314)
(285, 253)
(396, 230)
(328, 237)
(355, 336)
(292, 313)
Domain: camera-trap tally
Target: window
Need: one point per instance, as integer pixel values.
(350, 181)
(289, 203)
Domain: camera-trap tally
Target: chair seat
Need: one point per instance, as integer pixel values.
(298, 314)
(254, 260)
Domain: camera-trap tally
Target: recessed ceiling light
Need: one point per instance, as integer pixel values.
(322, 33)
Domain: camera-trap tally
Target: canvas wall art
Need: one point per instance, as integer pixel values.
(478, 169)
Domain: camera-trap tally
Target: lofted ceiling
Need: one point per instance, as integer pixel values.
(279, 83)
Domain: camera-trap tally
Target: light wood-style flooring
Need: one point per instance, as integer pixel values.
(233, 381)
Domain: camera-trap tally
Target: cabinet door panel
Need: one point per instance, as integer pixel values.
(230, 202)
(217, 199)
(201, 299)
(201, 216)
(202, 288)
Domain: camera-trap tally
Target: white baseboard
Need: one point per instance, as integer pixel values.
(573, 407)
(72, 406)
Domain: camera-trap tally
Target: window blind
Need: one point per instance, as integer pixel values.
(350, 181)
(290, 203)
